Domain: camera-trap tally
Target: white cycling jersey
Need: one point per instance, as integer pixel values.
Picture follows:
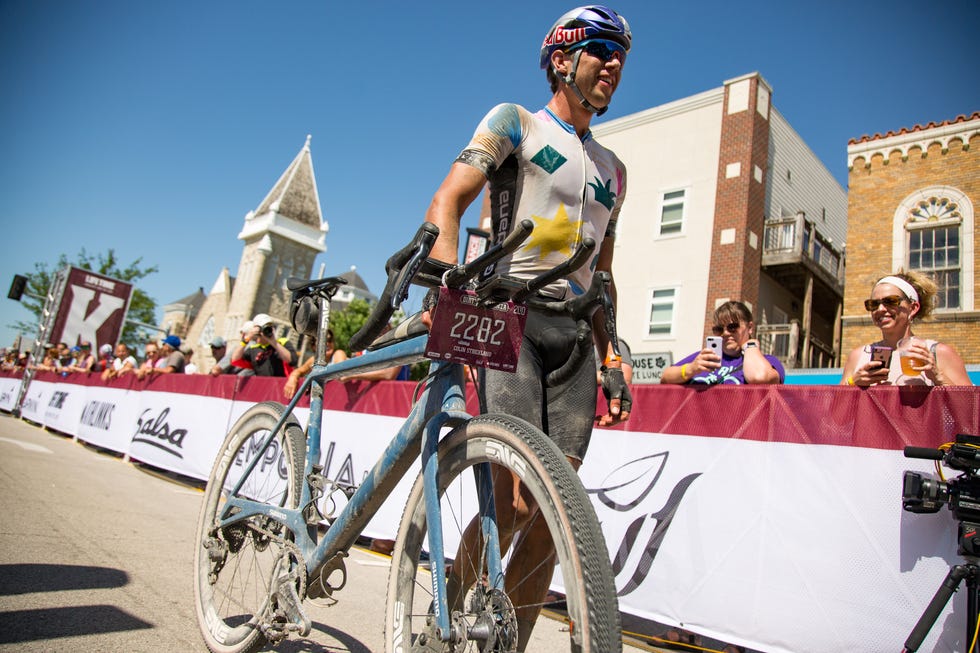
(539, 169)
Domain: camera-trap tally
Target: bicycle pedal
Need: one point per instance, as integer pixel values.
(291, 606)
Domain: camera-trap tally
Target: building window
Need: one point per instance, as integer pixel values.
(936, 251)
(930, 229)
(208, 332)
(672, 213)
(661, 312)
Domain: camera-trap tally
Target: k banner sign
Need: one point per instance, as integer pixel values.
(93, 307)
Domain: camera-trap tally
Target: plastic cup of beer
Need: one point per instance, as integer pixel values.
(908, 359)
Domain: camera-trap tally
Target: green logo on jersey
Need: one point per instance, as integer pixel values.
(549, 159)
(603, 194)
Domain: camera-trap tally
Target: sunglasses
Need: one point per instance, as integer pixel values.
(731, 327)
(892, 302)
(606, 51)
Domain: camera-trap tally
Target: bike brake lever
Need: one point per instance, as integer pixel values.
(401, 267)
(610, 313)
(404, 279)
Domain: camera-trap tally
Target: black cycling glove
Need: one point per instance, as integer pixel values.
(614, 386)
(431, 299)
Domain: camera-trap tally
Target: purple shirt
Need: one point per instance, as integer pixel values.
(730, 370)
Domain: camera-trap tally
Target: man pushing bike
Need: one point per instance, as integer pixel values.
(545, 167)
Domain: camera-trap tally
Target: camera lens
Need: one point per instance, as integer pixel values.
(268, 331)
(921, 494)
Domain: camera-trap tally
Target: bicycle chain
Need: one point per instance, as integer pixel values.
(275, 626)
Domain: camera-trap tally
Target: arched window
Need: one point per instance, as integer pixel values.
(208, 333)
(933, 231)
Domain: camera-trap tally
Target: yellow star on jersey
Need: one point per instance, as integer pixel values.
(556, 234)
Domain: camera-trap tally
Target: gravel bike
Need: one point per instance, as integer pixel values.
(261, 548)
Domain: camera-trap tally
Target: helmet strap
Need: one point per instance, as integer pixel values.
(570, 80)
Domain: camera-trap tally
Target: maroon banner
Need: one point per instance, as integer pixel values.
(886, 417)
(93, 308)
(889, 417)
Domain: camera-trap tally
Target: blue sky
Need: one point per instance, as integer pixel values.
(154, 127)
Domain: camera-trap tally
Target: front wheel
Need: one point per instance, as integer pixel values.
(236, 566)
(487, 619)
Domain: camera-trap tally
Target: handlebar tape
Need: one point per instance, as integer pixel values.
(401, 267)
(583, 342)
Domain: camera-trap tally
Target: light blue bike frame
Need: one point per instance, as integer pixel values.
(441, 405)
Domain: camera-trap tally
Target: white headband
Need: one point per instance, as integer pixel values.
(902, 285)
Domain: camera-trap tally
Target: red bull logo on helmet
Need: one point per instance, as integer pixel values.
(564, 36)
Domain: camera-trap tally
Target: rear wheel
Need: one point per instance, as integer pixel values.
(485, 620)
(237, 566)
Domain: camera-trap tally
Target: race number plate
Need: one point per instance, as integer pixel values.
(464, 332)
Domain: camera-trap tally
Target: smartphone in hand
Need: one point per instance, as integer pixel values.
(882, 354)
(714, 344)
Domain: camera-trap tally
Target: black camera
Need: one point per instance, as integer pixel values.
(962, 495)
(924, 495)
(269, 331)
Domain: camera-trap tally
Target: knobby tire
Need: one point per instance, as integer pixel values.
(228, 609)
(594, 623)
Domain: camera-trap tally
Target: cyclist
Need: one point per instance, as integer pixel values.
(545, 166)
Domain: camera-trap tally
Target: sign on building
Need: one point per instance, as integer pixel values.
(647, 368)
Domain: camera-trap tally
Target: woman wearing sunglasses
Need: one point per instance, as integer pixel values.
(895, 301)
(741, 360)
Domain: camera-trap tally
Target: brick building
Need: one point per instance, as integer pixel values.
(726, 201)
(911, 205)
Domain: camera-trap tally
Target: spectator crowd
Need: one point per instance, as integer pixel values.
(259, 351)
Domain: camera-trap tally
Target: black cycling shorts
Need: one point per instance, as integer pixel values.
(565, 412)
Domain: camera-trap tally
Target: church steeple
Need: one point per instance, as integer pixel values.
(292, 208)
(282, 238)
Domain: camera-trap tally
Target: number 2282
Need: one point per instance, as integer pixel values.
(487, 329)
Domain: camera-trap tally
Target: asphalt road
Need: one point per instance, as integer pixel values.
(96, 555)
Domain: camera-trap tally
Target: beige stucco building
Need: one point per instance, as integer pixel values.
(726, 201)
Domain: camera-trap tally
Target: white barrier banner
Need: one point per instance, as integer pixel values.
(64, 407)
(178, 432)
(36, 401)
(106, 416)
(349, 447)
(780, 547)
(785, 547)
(9, 389)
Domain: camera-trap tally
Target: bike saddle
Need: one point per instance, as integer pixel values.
(295, 283)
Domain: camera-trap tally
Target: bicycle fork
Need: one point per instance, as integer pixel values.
(488, 523)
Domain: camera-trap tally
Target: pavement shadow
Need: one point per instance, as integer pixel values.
(19, 626)
(30, 578)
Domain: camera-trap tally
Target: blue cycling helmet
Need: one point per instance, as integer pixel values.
(577, 27)
(584, 24)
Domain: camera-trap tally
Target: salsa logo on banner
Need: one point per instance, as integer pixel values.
(93, 308)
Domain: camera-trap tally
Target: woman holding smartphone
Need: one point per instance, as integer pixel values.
(731, 355)
(901, 358)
